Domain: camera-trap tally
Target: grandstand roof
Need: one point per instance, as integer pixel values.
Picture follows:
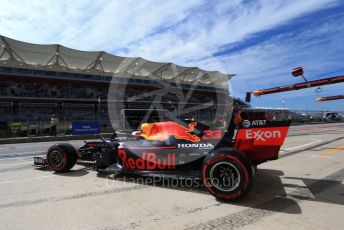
(60, 58)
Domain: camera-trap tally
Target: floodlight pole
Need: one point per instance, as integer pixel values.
(304, 78)
(99, 100)
(309, 84)
(331, 98)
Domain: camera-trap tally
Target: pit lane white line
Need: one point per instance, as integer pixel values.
(31, 178)
(21, 153)
(16, 158)
(300, 146)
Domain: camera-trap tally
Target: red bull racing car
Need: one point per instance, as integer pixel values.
(224, 160)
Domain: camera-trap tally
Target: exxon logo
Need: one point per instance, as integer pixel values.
(262, 135)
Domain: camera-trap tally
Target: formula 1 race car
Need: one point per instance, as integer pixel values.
(226, 165)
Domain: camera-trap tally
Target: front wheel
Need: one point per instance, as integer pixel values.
(227, 176)
(61, 157)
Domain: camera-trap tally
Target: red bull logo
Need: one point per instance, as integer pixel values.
(161, 131)
(148, 161)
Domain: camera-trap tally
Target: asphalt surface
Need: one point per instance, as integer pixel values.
(302, 190)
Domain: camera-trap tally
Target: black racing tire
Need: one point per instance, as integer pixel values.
(61, 157)
(227, 175)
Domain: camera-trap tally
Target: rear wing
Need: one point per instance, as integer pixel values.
(261, 140)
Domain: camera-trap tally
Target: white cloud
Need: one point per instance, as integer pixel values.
(319, 49)
(209, 29)
(160, 30)
(88, 24)
(187, 33)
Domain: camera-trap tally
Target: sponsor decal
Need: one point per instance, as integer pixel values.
(262, 135)
(246, 123)
(200, 146)
(258, 122)
(161, 131)
(273, 136)
(14, 127)
(148, 161)
(82, 128)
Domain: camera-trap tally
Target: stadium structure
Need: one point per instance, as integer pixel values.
(40, 80)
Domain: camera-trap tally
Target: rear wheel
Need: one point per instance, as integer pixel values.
(61, 157)
(227, 176)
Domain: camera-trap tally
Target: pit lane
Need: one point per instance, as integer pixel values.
(303, 190)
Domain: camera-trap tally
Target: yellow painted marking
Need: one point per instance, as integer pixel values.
(329, 153)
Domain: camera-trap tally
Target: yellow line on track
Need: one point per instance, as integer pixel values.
(329, 153)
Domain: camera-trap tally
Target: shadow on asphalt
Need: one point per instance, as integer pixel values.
(73, 173)
(268, 192)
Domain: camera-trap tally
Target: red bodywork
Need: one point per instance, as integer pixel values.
(261, 143)
(258, 136)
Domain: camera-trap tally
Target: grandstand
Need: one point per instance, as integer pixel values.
(39, 80)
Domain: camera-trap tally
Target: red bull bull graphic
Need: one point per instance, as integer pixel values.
(161, 131)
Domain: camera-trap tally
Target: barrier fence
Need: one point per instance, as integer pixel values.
(33, 119)
(306, 116)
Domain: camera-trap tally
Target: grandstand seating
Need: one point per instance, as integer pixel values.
(39, 80)
(88, 94)
(15, 89)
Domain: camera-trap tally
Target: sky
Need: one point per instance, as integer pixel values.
(260, 41)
